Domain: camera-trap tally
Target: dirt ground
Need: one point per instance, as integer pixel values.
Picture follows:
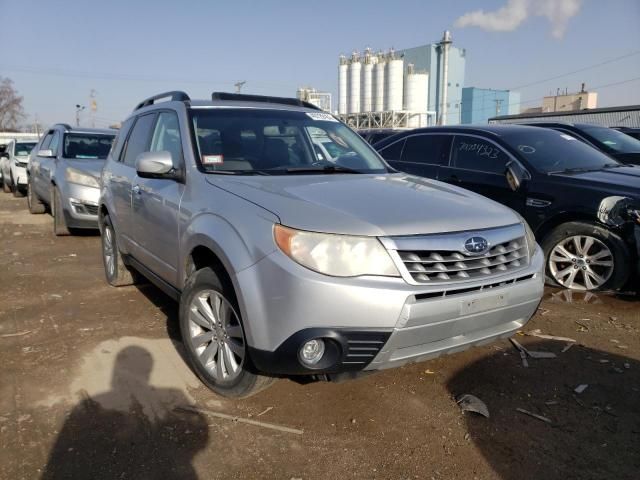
(93, 384)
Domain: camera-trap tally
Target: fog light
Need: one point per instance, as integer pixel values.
(312, 351)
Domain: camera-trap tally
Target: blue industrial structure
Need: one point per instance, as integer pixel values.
(481, 104)
(430, 58)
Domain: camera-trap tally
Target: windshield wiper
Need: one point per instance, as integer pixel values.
(238, 172)
(614, 165)
(575, 170)
(325, 169)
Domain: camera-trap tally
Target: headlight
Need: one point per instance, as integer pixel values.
(76, 176)
(336, 255)
(532, 245)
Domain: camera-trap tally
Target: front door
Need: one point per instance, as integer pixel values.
(156, 204)
(479, 165)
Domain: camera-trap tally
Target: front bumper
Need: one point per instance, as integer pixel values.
(375, 322)
(81, 206)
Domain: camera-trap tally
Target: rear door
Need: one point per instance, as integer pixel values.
(423, 154)
(479, 164)
(155, 204)
(123, 175)
(47, 167)
(34, 164)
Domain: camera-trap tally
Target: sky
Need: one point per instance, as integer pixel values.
(57, 52)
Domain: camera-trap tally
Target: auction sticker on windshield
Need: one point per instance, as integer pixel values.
(212, 159)
(324, 117)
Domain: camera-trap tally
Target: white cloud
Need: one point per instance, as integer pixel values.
(515, 12)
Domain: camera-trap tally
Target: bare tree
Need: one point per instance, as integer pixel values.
(11, 109)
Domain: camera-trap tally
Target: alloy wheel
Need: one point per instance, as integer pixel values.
(581, 262)
(216, 335)
(109, 251)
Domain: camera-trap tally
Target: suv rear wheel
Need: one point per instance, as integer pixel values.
(34, 203)
(117, 273)
(584, 256)
(214, 338)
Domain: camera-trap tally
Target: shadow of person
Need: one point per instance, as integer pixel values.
(130, 431)
(592, 435)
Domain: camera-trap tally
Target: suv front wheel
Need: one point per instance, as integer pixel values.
(214, 338)
(585, 256)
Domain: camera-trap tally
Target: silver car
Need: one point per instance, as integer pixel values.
(13, 165)
(285, 263)
(63, 173)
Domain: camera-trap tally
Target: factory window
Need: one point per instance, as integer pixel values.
(448, 84)
(471, 153)
(457, 84)
(431, 149)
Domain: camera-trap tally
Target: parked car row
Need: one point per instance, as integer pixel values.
(13, 166)
(293, 248)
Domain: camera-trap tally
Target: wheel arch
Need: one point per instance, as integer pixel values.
(551, 223)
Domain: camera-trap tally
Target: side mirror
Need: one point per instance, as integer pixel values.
(4, 155)
(156, 165)
(46, 153)
(516, 175)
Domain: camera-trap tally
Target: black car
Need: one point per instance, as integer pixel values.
(373, 135)
(583, 206)
(618, 145)
(632, 132)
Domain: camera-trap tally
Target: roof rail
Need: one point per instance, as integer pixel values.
(241, 97)
(175, 95)
(65, 125)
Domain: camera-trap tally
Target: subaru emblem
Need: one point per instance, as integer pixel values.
(476, 245)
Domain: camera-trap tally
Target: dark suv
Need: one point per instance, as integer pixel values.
(583, 206)
(614, 143)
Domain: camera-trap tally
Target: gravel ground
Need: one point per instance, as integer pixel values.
(93, 384)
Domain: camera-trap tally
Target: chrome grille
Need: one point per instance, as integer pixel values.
(445, 265)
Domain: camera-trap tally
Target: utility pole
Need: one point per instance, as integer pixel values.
(239, 85)
(93, 105)
(79, 108)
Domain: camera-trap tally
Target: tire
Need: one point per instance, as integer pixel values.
(35, 204)
(218, 354)
(15, 188)
(116, 271)
(585, 256)
(57, 212)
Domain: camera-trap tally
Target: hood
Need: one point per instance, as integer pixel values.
(627, 178)
(91, 166)
(372, 205)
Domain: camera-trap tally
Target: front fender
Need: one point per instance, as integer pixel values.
(237, 245)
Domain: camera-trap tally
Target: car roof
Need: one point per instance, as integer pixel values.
(95, 131)
(220, 104)
(563, 124)
(491, 129)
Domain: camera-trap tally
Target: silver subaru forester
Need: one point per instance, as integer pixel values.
(288, 260)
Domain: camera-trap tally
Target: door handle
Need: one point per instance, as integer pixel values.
(136, 189)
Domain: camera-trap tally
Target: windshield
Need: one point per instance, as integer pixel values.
(615, 141)
(87, 145)
(274, 142)
(549, 151)
(24, 149)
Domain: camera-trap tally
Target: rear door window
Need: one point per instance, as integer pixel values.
(472, 153)
(431, 149)
(138, 141)
(393, 152)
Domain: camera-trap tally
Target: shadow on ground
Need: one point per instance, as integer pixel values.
(592, 435)
(129, 432)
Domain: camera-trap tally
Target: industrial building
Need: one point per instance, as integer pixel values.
(626, 116)
(565, 102)
(480, 104)
(409, 88)
(322, 100)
